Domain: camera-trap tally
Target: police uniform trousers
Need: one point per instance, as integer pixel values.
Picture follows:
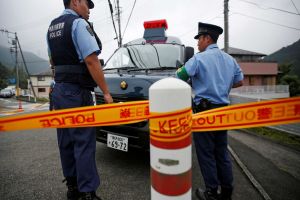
(77, 146)
(213, 158)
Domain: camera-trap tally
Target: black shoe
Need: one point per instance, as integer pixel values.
(89, 196)
(207, 194)
(72, 193)
(226, 193)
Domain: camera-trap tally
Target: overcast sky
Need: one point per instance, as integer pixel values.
(262, 26)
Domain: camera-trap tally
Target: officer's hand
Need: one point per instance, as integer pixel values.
(108, 98)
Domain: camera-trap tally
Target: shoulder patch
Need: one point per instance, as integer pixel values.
(89, 29)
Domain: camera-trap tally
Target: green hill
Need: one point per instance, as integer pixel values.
(34, 63)
(286, 55)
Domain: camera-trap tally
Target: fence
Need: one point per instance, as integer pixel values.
(262, 91)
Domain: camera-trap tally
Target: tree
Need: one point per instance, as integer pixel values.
(285, 78)
(284, 69)
(4, 75)
(294, 84)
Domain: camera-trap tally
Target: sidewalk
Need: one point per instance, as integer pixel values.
(11, 106)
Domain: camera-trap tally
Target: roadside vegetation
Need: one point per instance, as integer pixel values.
(6, 73)
(285, 77)
(286, 139)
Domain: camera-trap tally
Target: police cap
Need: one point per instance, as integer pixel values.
(213, 30)
(90, 2)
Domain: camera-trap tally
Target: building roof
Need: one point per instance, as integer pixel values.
(236, 51)
(48, 72)
(259, 68)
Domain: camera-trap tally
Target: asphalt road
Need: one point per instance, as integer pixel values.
(30, 169)
(275, 167)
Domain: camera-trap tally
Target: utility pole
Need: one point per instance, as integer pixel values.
(14, 48)
(26, 67)
(226, 30)
(119, 23)
(112, 18)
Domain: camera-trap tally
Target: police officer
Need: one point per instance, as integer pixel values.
(74, 47)
(212, 74)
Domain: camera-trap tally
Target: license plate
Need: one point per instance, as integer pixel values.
(117, 142)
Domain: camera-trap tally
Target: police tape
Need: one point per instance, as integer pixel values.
(102, 115)
(265, 113)
(273, 112)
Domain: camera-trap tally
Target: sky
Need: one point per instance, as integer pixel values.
(262, 26)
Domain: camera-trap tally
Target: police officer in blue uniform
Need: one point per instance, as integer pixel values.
(212, 74)
(73, 51)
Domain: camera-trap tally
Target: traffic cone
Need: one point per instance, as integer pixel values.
(20, 106)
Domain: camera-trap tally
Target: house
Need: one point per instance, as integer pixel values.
(259, 76)
(256, 71)
(41, 83)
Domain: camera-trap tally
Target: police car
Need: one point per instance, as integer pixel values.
(129, 73)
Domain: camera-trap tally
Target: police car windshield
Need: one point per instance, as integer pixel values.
(145, 56)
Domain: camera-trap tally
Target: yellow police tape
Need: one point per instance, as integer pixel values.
(256, 114)
(249, 115)
(104, 115)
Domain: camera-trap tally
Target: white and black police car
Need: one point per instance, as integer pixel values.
(129, 73)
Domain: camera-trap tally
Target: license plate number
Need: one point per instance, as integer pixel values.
(117, 142)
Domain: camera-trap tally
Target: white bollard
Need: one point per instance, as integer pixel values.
(170, 140)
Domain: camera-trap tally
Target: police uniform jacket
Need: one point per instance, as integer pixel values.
(212, 73)
(70, 40)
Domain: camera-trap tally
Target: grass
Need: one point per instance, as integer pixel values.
(286, 139)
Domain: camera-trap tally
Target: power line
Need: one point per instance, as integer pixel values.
(194, 29)
(295, 6)
(298, 29)
(129, 18)
(270, 8)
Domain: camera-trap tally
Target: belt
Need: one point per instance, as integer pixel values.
(206, 105)
(71, 69)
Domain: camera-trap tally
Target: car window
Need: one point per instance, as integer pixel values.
(145, 56)
(120, 59)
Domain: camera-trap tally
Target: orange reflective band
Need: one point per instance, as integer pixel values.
(103, 115)
(172, 126)
(266, 113)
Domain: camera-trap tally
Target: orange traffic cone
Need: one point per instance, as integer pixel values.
(20, 106)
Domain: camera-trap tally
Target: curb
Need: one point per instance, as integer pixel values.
(251, 178)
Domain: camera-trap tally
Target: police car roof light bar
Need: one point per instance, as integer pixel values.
(156, 24)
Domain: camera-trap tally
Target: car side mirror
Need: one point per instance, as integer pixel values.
(188, 53)
(101, 62)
